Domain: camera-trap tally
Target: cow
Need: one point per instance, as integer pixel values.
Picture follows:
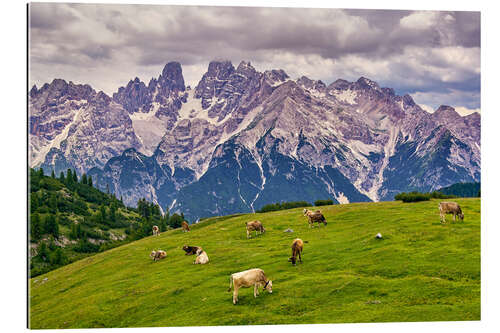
(201, 257)
(185, 226)
(253, 277)
(297, 247)
(156, 230)
(254, 226)
(450, 208)
(157, 255)
(313, 217)
(190, 250)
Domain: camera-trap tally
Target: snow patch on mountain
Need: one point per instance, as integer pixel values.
(346, 96)
(149, 129)
(56, 142)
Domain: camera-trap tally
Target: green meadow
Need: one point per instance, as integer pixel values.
(421, 270)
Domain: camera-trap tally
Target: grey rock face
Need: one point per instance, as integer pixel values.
(242, 139)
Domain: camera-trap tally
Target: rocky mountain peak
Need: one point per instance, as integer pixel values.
(171, 76)
(340, 84)
(365, 83)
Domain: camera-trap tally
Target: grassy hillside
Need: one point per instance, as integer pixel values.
(71, 219)
(420, 271)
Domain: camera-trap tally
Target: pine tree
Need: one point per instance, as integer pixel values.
(69, 177)
(107, 189)
(75, 177)
(53, 203)
(51, 226)
(53, 174)
(36, 227)
(43, 252)
(102, 210)
(112, 213)
(90, 182)
(61, 177)
(40, 172)
(34, 202)
(84, 179)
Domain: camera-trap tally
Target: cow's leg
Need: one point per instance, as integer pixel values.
(443, 220)
(235, 295)
(300, 257)
(255, 292)
(454, 217)
(248, 234)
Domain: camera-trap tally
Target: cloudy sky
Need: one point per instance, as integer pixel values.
(433, 56)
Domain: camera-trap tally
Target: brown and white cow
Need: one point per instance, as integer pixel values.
(157, 255)
(314, 217)
(450, 208)
(297, 248)
(185, 226)
(201, 257)
(254, 226)
(156, 230)
(191, 249)
(253, 277)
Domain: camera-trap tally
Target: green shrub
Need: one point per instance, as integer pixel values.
(283, 205)
(323, 202)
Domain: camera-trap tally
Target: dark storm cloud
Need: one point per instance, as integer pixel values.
(105, 45)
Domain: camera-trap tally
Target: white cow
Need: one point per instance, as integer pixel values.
(253, 277)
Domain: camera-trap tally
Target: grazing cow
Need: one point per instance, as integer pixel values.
(157, 255)
(253, 277)
(156, 230)
(254, 226)
(313, 217)
(450, 208)
(191, 249)
(185, 226)
(201, 257)
(297, 247)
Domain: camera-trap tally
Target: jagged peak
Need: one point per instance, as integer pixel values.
(217, 66)
(339, 84)
(171, 67)
(446, 111)
(245, 65)
(365, 83)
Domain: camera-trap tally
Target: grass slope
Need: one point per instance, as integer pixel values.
(420, 271)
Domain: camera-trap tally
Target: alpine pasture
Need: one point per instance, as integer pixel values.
(420, 270)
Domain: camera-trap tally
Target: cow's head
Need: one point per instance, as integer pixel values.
(293, 260)
(305, 211)
(461, 216)
(269, 286)
(152, 254)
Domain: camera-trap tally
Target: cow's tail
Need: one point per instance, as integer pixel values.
(230, 282)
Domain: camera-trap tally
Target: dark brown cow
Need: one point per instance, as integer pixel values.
(190, 250)
(314, 217)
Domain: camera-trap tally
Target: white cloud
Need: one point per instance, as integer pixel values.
(463, 111)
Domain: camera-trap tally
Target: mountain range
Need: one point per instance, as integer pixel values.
(242, 138)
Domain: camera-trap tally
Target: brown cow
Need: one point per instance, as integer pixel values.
(253, 277)
(156, 230)
(254, 226)
(185, 226)
(191, 249)
(157, 255)
(297, 248)
(450, 208)
(313, 217)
